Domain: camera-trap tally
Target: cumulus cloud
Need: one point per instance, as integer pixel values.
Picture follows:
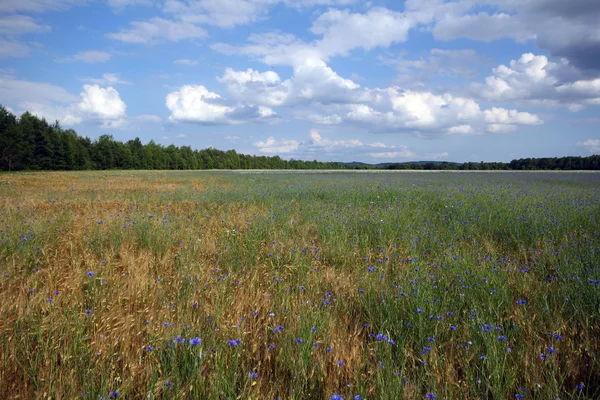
(103, 104)
(94, 103)
(195, 103)
(536, 80)
(273, 146)
(157, 29)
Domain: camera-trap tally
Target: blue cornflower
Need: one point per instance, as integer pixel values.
(430, 396)
(426, 350)
(195, 341)
(113, 395)
(169, 384)
(341, 363)
(579, 387)
(557, 336)
(336, 397)
(149, 348)
(329, 349)
(299, 341)
(357, 397)
(278, 329)
(179, 339)
(503, 338)
(420, 311)
(234, 342)
(551, 350)
(91, 273)
(314, 329)
(519, 396)
(452, 328)
(542, 356)
(253, 375)
(88, 312)
(521, 302)
(50, 301)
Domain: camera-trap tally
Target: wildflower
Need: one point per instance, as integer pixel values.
(557, 336)
(149, 348)
(452, 328)
(430, 396)
(253, 375)
(521, 302)
(50, 301)
(579, 387)
(113, 395)
(195, 341)
(519, 396)
(420, 311)
(482, 357)
(169, 384)
(502, 338)
(271, 346)
(234, 342)
(329, 349)
(336, 397)
(88, 312)
(314, 329)
(542, 356)
(278, 329)
(91, 273)
(299, 341)
(179, 339)
(357, 397)
(341, 363)
(551, 350)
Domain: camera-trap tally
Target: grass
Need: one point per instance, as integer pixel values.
(300, 286)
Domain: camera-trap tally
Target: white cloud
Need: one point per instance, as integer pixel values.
(38, 5)
(103, 104)
(316, 146)
(343, 31)
(536, 80)
(10, 48)
(461, 130)
(228, 14)
(107, 79)
(157, 29)
(181, 136)
(16, 92)
(88, 57)
(14, 25)
(197, 104)
(120, 4)
(185, 61)
(591, 145)
(497, 115)
(52, 102)
(273, 146)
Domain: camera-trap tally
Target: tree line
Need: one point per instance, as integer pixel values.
(31, 143)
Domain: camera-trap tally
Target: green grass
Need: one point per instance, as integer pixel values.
(439, 263)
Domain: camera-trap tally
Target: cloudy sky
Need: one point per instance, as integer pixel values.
(344, 80)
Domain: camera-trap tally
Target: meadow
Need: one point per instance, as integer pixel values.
(226, 285)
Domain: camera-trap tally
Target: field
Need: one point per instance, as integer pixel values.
(214, 285)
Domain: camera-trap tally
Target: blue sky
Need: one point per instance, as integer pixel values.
(342, 80)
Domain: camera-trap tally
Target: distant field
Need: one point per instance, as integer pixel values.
(214, 285)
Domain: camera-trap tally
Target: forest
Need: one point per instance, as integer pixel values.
(30, 143)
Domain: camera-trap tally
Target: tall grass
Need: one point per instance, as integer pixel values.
(300, 286)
